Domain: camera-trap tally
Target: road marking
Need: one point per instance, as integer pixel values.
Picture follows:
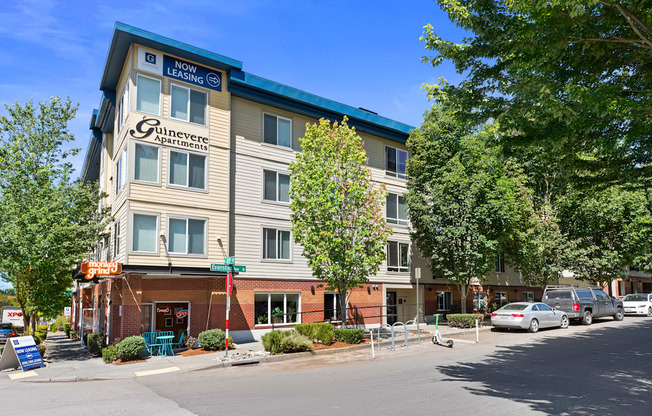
(23, 375)
(160, 371)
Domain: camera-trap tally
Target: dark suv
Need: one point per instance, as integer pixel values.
(583, 302)
(7, 331)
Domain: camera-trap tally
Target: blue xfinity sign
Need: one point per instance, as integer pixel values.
(191, 73)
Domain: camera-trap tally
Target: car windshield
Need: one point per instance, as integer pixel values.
(558, 294)
(637, 298)
(514, 307)
(5, 326)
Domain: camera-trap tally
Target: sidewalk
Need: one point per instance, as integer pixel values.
(68, 361)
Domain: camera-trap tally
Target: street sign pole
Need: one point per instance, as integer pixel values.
(229, 289)
(229, 267)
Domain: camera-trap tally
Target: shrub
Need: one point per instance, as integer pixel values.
(66, 326)
(213, 340)
(85, 338)
(109, 354)
(130, 348)
(73, 334)
(320, 331)
(190, 342)
(279, 342)
(42, 328)
(463, 320)
(61, 322)
(37, 338)
(94, 344)
(53, 327)
(349, 335)
(41, 350)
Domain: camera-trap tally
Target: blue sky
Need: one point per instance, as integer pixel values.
(361, 53)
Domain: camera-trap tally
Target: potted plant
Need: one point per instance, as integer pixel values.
(277, 315)
(262, 319)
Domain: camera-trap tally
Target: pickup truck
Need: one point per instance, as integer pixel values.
(583, 302)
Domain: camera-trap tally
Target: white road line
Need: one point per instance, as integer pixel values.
(160, 371)
(23, 375)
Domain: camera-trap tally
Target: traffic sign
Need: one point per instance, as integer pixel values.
(229, 260)
(227, 268)
(228, 282)
(239, 269)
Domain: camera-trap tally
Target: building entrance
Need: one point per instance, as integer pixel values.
(172, 316)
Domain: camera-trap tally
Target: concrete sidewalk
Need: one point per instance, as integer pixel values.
(68, 361)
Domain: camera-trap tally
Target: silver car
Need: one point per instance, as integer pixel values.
(528, 315)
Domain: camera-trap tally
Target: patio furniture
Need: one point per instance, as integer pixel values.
(165, 342)
(179, 343)
(151, 342)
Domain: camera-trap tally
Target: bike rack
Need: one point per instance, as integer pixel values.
(418, 329)
(379, 328)
(405, 331)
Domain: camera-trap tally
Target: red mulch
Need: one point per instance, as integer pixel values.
(196, 351)
(120, 362)
(319, 346)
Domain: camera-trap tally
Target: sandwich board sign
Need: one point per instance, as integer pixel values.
(21, 351)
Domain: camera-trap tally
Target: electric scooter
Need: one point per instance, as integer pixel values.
(437, 339)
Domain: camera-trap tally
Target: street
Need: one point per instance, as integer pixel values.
(602, 369)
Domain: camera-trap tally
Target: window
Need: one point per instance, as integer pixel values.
(276, 186)
(544, 307)
(479, 301)
(500, 263)
(116, 238)
(186, 236)
(123, 106)
(396, 209)
(398, 257)
(283, 308)
(187, 104)
(148, 95)
(187, 170)
(146, 163)
(332, 307)
(120, 171)
(528, 296)
(500, 298)
(395, 161)
(444, 301)
(276, 244)
(277, 130)
(145, 233)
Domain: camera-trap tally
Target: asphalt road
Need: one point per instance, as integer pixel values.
(603, 369)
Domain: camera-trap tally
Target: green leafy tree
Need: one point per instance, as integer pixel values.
(464, 202)
(337, 208)
(47, 220)
(570, 76)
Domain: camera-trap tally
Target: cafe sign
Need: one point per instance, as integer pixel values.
(100, 268)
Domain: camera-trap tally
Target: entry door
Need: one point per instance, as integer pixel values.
(403, 308)
(146, 317)
(172, 317)
(390, 301)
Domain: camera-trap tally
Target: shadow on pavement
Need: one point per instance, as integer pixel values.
(602, 372)
(62, 348)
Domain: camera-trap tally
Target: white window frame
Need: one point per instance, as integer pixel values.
(121, 171)
(396, 173)
(499, 265)
(131, 233)
(262, 254)
(160, 93)
(443, 297)
(285, 308)
(391, 220)
(528, 296)
(123, 106)
(187, 187)
(186, 218)
(336, 306)
(398, 268)
(277, 187)
(277, 124)
(176, 84)
(498, 298)
(132, 167)
(117, 231)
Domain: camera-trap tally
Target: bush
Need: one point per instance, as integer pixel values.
(109, 354)
(131, 348)
(41, 350)
(66, 326)
(279, 342)
(85, 338)
(463, 320)
(320, 331)
(190, 342)
(53, 327)
(73, 334)
(61, 322)
(349, 335)
(94, 343)
(37, 338)
(213, 340)
(42, 328)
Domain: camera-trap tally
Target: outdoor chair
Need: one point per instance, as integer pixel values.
(179, 343)
(150, 341)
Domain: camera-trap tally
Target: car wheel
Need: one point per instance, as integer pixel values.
(534, 326)
(619, 315)
(587, 319)
(649, 311)
(564, 322)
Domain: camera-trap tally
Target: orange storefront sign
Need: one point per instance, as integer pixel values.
(100, 268)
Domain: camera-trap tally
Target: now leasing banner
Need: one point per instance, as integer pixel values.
(21, 351)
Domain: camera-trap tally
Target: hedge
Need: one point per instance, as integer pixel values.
(280, 342)
(463, 320)
(94, 343)
(349, 335)
(213, 340)
(73, 334)
(109, 354)
(131, 348)
(321, 331)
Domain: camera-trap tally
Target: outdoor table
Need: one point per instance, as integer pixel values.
(166, 345)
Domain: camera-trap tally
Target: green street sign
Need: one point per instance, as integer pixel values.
(240, 269)
(229, 260)
(227, 268)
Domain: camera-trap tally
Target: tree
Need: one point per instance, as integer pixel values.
(337, 208)
(464, 202)
(48, 222)
(571, 76)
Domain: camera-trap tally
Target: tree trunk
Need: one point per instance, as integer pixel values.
(34, 323)
(26, 318)
(343, 298)
(464, 290)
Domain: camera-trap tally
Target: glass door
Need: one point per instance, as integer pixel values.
(146, 318)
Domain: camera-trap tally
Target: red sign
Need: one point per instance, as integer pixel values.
(228, 282)
(15, 314)
(100, 268)
(182, 314)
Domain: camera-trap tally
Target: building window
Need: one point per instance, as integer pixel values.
(444, 301)
(123, 106)
(276, 186)
(479, 301)
(186, 236)
(282, 308)
(277, 130)
(187, 170)
(148, 95)
(500, 263)
(146, 163)
(396, 209)
(145, 233)
(276, 244)
(398, 257)
(395, 161)
(500, 298)
(528, 296)
(332, 310)
(187, 104)
(120, 171)
(116, 238)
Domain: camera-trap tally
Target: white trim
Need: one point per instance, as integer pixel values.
(186, 218)
(262, 139)
(160, 94)
(450, 293)
(262, 194)
(398, 248)
(187, 330)
(132, 165)
(176, 84)
(285, 309)
(187, 187)
(389, 172)
(262, 246)
(130, 243)
(398, 221)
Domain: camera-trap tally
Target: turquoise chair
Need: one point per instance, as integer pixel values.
(179, 343)
(151, 342)
(165, 346)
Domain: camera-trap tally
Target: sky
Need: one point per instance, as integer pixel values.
(360, 53)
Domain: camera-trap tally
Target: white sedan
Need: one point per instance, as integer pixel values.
(528, 315)
(638, 304)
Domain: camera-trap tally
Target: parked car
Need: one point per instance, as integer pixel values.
(7, 331)
(583, 302)
(638, 304)
(528, 315)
